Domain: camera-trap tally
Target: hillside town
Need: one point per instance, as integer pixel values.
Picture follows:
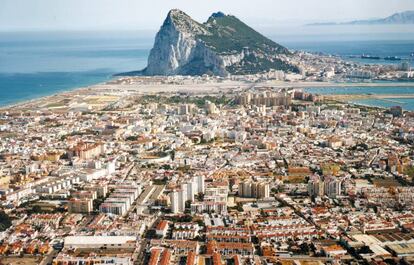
(192, 171)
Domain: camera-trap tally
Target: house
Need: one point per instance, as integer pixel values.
(162, 228)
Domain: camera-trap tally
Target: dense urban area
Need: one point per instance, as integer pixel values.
(203, 170)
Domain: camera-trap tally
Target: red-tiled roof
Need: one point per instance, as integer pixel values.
(162, 225)
(155, 255)
(191, 258)
(165, 259)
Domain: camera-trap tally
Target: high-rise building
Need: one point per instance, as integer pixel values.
(316, 187)
(245, 189)
(186, 193)
(118, 208)
(174, 198)
(251, 189)
(211, 107)
(184, 109)
(80, 205)
(195, 181)
(263, 190)
(244, 99)
(333, 187)
(182, 198)
(200, 184)
(268, 99)
(191, 190)
(329, 186)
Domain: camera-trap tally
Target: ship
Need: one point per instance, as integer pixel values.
(392, 58)
(370, 57)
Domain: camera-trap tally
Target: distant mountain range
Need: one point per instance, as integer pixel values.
(406, 17)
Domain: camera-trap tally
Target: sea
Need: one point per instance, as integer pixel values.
(36, 64)
(405, 103)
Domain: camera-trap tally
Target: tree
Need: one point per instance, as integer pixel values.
(240, 207)
(200, 196)
(410, 172)
(5, 221)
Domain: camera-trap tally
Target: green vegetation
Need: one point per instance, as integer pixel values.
(97, 202)
(198, 101)
(410, 172)
(162, 181)
(252, 64)
(40, 207)
(180, 219)
(229, 34)
(132, 138)
(5, 221)
(166, 167)
(226, 39)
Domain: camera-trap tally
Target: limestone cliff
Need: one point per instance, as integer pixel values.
(223, 45)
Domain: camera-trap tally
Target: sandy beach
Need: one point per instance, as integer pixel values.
(112, 90)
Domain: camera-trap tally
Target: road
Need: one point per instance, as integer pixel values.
(131, 167)
(49, 258)
(140, 252)
(297, 212)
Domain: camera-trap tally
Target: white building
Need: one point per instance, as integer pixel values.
(113, 242)
(182, 198)
(174, 198)
(211, 107)
(191, 190)
(201, 184)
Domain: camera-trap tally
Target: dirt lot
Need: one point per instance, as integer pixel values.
(20, 261)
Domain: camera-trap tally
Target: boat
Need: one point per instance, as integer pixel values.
(392, 58)
(370, 57)
(412, 54)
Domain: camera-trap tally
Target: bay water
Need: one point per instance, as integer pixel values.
(35, 64)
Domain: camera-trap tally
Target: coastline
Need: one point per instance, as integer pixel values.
(366, 105)
(374, 105)
(328, 84)
(177, 87)
(23, 102)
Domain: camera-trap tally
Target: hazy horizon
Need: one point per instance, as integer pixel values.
(75, 15)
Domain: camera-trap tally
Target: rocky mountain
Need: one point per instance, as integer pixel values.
(406, 17)
(222, 45)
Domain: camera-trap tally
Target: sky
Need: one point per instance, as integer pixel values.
(27, 15)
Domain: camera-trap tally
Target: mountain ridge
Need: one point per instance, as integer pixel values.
(405, 17)
(220, 46)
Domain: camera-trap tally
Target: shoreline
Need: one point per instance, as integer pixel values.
(179, 87)
(365, 105)
(352, 103)
(328, 84)
(23, 102)
(378, 106)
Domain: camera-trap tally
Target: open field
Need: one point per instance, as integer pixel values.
(20, 261)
